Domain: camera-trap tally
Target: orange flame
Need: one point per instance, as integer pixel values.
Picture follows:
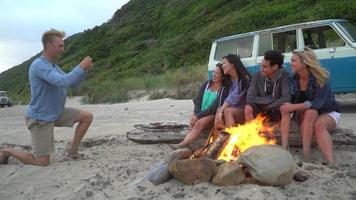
(242, 137)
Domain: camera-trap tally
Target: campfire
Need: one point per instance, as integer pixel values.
(230, 143)
(245, 153)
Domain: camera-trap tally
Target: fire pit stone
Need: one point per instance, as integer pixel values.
(229, 173)
(193, 171)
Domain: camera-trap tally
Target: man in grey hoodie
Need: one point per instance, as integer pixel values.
(268, 90)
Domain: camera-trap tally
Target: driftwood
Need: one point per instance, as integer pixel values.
(339, 136)
(160, 172)
(153, 133)
(173, 132)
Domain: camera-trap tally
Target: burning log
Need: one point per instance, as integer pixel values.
(213, 145)
(214, 148)
(231, 142)
(217, 145)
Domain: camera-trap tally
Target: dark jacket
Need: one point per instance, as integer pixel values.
(318, 98)
(270, 93)
(222, 94)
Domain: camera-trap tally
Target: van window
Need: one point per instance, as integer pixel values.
(321, 37)
(349, 29)
(242, 45)
(265, 44)
(285, 41)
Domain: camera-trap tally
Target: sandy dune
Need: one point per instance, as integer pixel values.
(112, 163)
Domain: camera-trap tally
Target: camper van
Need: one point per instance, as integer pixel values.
(333, 41)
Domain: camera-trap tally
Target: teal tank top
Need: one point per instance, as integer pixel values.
(208, 98)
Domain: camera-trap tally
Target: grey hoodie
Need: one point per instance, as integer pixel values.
(270, 93)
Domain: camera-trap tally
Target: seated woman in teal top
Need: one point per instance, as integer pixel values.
(211, 96)
(208, 98)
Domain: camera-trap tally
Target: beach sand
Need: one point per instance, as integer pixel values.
(112, 164)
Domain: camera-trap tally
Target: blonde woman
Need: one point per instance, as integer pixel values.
(313, 101)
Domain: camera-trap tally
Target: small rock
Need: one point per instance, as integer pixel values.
(178, 196)
(299, 163)
(141, 188)
(300, 176)
(89, 193)
(351, 174)
(339, 175)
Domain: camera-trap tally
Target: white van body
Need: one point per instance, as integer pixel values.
(333, 41)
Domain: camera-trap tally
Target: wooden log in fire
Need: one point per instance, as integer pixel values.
(214, 145)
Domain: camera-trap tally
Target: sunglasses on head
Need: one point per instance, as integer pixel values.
(228, 54)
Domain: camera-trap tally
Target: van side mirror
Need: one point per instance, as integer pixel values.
(333, 50)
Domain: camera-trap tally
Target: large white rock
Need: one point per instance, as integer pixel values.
(269, 164)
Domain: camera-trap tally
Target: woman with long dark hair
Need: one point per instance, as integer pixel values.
(232, 111)
(211, 96)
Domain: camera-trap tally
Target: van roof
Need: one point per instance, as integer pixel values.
(281, 28)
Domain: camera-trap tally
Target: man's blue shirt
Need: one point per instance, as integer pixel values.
(49, 88)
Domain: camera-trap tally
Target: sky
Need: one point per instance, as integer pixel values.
(22, 23)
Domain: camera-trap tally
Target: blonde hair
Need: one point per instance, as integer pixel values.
(308, 57)
(49, 36)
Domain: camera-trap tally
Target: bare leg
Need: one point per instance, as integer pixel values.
(233, 116)
(249, 113)
(219, 122)
(307, 129)
(26, 158)
(322, 126)
(84, 118)
(198, 127)
(285, 126)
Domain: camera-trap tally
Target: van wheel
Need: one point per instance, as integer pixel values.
(9, 104)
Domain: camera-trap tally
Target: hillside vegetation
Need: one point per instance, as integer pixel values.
(161, 47)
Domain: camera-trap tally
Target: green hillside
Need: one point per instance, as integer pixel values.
(162, 46)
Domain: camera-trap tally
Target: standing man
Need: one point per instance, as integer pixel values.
(269, 89)
(48, 96)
